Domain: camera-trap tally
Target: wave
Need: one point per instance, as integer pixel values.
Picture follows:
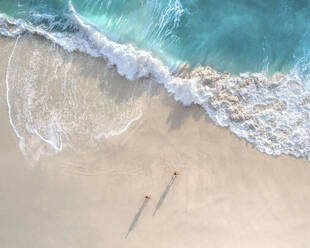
(272, 113)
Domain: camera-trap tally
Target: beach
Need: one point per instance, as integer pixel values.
(87, 188)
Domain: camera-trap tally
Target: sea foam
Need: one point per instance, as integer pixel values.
(272, 113)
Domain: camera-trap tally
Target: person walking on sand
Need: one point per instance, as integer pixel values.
(148, 196)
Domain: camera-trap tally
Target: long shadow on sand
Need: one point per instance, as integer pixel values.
(164, 194)
(136, 218)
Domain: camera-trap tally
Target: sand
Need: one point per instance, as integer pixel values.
(227, 194)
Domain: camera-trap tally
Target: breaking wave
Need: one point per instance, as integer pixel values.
(270, 112)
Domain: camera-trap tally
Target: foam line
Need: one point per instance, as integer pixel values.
(8, 92)
(124, 129)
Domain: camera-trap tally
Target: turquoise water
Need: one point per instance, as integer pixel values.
(234, 36)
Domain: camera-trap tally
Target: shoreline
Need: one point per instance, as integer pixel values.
(92, 195)
(219, 84)
(264, 111)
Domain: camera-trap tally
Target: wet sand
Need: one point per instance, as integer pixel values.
(92, 194)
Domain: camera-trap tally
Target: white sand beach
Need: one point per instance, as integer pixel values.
(90, 193)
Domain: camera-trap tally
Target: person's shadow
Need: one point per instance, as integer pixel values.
(164, 194)
(136, 218)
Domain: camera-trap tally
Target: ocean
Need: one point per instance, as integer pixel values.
(247, 63)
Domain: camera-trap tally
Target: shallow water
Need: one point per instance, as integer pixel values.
(59, 100)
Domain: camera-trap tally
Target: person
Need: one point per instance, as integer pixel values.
(148, 196)
(176, 172)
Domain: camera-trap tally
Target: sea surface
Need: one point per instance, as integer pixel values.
(247, 63)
